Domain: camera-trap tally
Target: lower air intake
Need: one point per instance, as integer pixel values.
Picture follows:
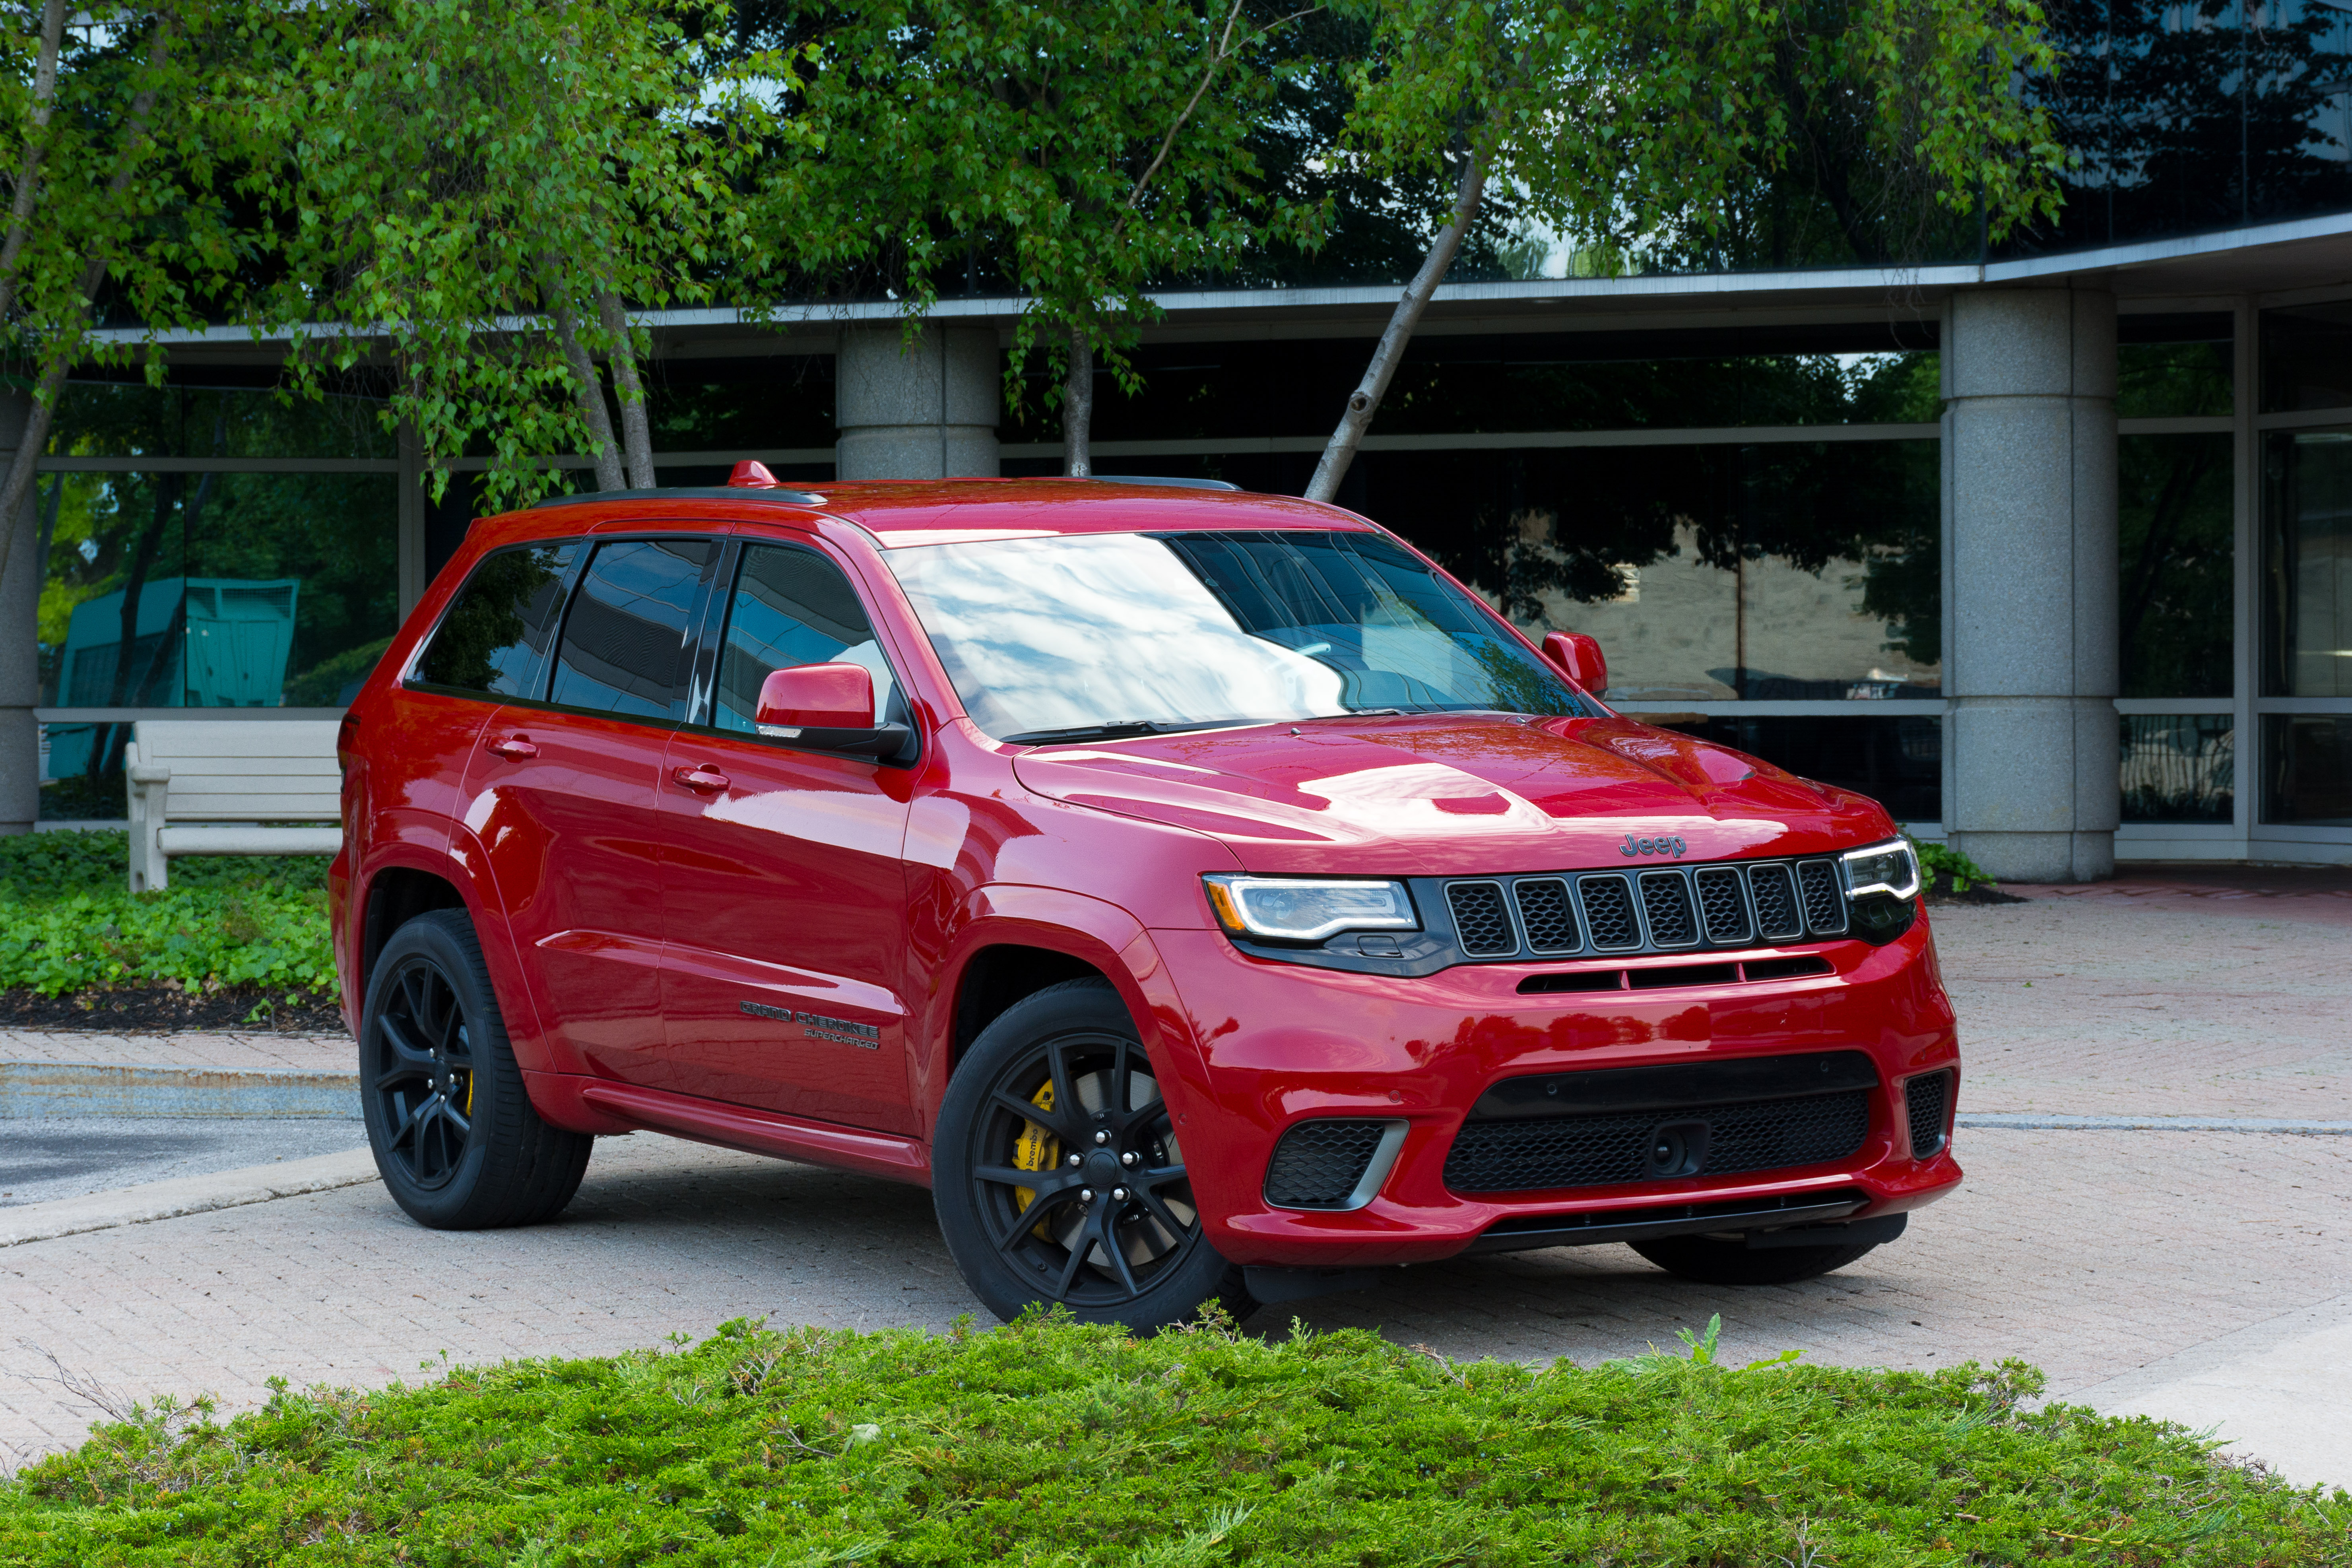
(1318, 1164)
(1613, 1148)
(1927, 1104)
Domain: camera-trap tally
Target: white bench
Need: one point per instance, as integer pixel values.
(236, 773)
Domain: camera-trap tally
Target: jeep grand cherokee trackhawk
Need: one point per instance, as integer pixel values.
(1202, 892)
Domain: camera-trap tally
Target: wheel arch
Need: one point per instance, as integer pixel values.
(1016, 941)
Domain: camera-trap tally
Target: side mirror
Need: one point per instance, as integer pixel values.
(1580, 659)
(827, 708)
(817, 696)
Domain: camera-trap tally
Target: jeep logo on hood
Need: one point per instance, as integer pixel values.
(1662, 845)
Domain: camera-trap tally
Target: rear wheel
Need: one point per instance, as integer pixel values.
(1714, 1260)
(454, 1133)
(1058, 1174)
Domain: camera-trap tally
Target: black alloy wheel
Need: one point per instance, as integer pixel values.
(1058, 1173)
(424, 1081)
(451, 1124)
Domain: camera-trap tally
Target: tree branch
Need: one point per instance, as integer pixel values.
(1365, 401)
(637, 433)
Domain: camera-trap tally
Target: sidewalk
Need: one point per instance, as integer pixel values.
(71, 1074)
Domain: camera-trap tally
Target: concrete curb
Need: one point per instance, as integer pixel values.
(96, 1089)
(2028, 1120)
(184, 1196)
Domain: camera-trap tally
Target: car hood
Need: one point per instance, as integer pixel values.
(1449, 794)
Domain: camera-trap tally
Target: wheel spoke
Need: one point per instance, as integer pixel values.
(1117, 1254)
(1067, 1106)
(1156, 1176)
(1080, 1245)
(1051, 1121)
(1043, 1183)
(410, 1119)
(1038, 1211)
(1160, 1212)
(408, 1060)
(457, 1121)
(461, 1044)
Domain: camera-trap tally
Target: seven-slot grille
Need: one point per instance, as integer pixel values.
(1658, 909)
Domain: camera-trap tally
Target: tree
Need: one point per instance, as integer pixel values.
(491, 197)
(1081, 152)
(113, 205)
(1643, 123)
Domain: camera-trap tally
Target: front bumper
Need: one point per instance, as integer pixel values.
(1269, 1045)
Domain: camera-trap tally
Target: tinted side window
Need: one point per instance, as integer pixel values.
(625, 644)
(792, 606)
(494, 639)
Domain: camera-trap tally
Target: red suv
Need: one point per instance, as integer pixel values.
(1202, 892)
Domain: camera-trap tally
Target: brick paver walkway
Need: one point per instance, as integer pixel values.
(2089, 1253)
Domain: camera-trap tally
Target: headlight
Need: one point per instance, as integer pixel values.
(1292, 909)
(1881, 869)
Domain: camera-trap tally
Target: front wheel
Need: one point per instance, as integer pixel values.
(455, 1136)
(1057, 1176)
(1720, 1260)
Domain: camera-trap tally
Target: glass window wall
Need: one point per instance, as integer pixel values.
(2177, 534)
(2308, 563)
(2178, 768)
(213, 590)
(2307, 769)
(1897, 760)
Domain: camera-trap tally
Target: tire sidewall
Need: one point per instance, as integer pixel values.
(1071, 1007)
(430, 939)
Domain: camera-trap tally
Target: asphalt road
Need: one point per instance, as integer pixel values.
(42, 1158)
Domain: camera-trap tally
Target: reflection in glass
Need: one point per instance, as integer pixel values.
(2177, 544)
(2307, 769)
(2174, 380)
(2179, 767)
(494, 636)
(2308, 357)
(625, 645)
(1089, 631)
(2308, 563)
(1798, 571)
(793, 607)
(132, 419)
(205, 590)
(1897, 760)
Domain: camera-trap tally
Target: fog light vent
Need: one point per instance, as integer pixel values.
(1926, 1102)
(1324, 1164)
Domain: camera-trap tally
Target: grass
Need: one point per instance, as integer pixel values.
(1050, 1443)
(69, 921)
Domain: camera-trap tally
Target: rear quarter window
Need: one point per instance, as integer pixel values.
(495, 638)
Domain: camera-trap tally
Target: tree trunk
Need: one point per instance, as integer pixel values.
(28, 177)
(637, 433)
(1078, 408)
(587, 386)
(1365, 401)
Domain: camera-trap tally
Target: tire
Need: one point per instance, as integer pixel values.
(1001, 1134)
(452, 1128)
(1714, 1261)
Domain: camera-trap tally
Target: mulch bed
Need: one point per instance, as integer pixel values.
(166, 1009)
(1978, 893)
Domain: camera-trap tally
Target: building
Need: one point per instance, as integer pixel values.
(2035, 543)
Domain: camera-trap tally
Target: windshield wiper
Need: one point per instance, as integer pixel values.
(1117, 729)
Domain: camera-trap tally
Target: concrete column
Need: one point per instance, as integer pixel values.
(20, 656)
(2031, 788)
(918, 409)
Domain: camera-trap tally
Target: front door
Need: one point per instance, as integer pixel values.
(783, 895)
(562, 800)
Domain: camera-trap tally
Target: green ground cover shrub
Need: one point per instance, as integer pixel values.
(68, 919)
(1947, 870)
(1049, 1443)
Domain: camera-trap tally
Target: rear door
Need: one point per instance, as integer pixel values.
(783, 893)
(562, 801)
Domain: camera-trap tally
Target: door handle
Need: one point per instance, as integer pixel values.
(513, 748)
(701, 778)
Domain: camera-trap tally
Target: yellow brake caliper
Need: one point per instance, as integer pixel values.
(1036, 1150)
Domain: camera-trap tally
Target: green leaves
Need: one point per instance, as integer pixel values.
(67, 920)
(1049, 1442)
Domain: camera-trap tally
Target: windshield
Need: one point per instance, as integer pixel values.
(1134, 633)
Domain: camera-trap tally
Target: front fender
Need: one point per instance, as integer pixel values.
(1093, 931)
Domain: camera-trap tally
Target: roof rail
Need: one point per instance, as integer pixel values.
(688, 492)
(1156, 479)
